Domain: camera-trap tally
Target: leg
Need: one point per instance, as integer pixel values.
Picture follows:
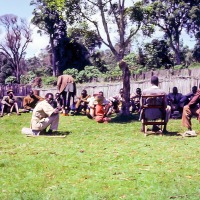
(16, 108)
(2, 110)
(64, 94)
(186, 117)
(52, 121)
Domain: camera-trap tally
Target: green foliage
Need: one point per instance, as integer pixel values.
(10, 79)
(27, 78)
(73, 72)
(179, 67)
(114, 73)
(195, 65)
(172, 17)
(49, 80)
(88, 74)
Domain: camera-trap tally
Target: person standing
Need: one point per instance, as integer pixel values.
(67, 89)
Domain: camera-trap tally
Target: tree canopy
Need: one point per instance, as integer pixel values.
(17, 37)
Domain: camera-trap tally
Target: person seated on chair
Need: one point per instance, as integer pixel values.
(45, 115)
(82, 102)
(30, 101)
(156, 113)
(173, 99)
(135, 100)
(9, 104)
(191, 109)
(188, 97)
(100, 112)
(117, 101)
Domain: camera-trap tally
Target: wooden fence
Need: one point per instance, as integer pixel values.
(183, 79)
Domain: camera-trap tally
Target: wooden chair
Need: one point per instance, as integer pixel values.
(150, 105)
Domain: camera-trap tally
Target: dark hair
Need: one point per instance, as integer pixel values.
(154, 80)
(138, 90)
(121, 90)
(84, 91)
(48, 94)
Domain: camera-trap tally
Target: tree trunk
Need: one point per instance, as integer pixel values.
(126, 88)
(53, 57)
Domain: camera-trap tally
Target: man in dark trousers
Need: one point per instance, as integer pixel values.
(66, 86)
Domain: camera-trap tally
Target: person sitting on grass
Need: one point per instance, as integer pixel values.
(9, 104)
(100, 111)
(135, 100)
(117, 101)
(45, 115)
(58, 102)
(30, 101)
(82, 102)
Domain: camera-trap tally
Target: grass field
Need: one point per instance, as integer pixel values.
(98, 161)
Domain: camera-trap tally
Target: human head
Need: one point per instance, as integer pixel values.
(84, 93)
(194, 89)
(10, 93)
(138, 91)
(57, 95)
(175, 90)
(49, 97)
(31, 93)
(121, 91)
(101, 93)
(154, 80)
(99, 99)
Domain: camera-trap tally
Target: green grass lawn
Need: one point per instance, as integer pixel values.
(98, 161)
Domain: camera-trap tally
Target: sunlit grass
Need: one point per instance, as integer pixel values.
(98, 161)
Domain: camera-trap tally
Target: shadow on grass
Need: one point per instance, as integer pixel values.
(163, 134)
(171, 133)
(58, 133)
(125, 119)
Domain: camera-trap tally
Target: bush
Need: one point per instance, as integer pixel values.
(26, 79)
(10, 79)
(50, 80)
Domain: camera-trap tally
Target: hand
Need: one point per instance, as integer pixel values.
(56, 111)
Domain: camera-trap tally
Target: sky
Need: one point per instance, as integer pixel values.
(22, 9)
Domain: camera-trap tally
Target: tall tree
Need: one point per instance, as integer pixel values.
(172, 17)
(16, 40)
(49, 21)
(107, 18)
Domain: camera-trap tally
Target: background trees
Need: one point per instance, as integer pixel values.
(107, 18)
(17, 37)
(89, 37)
(172, 17)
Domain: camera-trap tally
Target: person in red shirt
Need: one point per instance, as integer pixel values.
(100, 111)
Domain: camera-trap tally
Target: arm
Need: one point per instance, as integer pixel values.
(195, 99)
(25, 104)
(4, 101)
(59, 83)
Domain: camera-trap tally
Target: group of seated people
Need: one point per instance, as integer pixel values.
(98, 107)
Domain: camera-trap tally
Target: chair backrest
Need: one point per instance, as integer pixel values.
(156, 103)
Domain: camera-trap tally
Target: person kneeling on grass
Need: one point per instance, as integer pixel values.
(45, 115)
(100, 111)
